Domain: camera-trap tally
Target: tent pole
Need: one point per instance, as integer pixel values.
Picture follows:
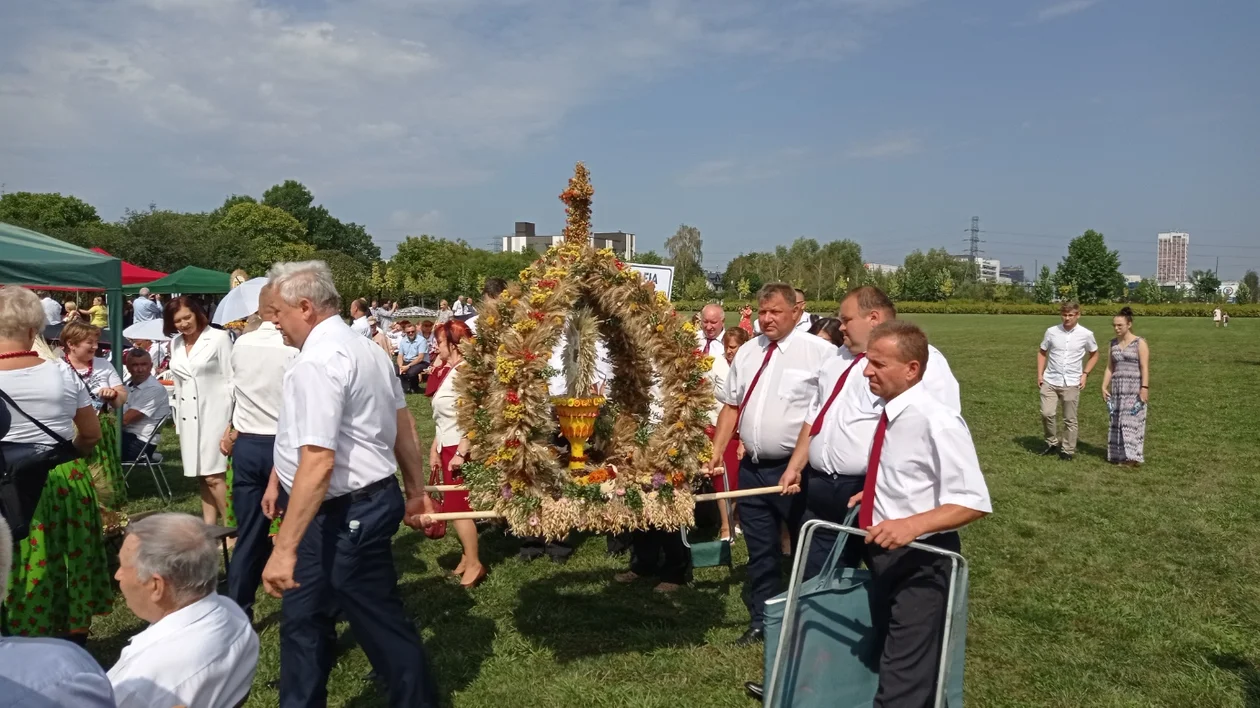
(114, 300)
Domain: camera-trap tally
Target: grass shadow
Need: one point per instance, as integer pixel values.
(581, 614)
(1248, 673)
(1036, 444)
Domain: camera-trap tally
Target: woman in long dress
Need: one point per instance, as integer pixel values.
(60, 577)
(1126, 388)
(446, 454)
(105, 387)
(201, 364)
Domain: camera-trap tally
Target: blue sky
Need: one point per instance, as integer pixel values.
(890, 122)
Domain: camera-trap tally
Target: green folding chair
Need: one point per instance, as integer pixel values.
(820, 643)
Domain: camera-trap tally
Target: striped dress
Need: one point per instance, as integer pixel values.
(1128, 429)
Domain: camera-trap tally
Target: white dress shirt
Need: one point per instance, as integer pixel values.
(143, 309)
(362, 326)
(472, 323)
(150, 398)
(40, 672)
(1065, 353)
(445, 412)
(843, 446)
(772, 419)
(201, 656)
(52, 310)
(259, 360)
(457, 310)
(340, 394)
(715, 348)
(928, 460)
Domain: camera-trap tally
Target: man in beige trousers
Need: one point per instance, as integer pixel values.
(1067, 354)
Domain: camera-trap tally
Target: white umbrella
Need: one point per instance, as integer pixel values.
(149, 329)
(240, 302)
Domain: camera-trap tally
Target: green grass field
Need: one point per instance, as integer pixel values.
(1091, 585)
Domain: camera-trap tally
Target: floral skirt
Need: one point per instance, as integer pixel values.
(105, 465)
(60, 576)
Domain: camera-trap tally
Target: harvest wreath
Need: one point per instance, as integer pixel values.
(640, 468)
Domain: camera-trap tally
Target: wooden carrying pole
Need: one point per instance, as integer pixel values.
(459, 515)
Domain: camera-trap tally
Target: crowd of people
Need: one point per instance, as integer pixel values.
(296, 431)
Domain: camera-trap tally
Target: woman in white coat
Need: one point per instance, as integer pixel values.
(201, 364)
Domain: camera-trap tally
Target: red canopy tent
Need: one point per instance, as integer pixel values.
(132, 273)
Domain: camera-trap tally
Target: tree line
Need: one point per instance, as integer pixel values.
(284, 223)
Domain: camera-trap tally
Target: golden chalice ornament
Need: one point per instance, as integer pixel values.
(577, 424)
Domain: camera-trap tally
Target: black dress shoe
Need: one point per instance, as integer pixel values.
(1065, 457)
(754, 689)
(752, 636)
(1050, 450)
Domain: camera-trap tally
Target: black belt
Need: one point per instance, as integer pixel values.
(254, 436)
(359, 494)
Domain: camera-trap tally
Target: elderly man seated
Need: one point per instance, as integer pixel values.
(45, 672)
(147, 404)
(199, 649)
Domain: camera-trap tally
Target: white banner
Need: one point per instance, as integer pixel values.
(661, 275)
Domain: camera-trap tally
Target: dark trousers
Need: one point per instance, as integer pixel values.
(761, 518)
(411, 376)
(251, 468)
(536, 546)
(619, 543)
(351, 569)
(908, 599)
(660, 554)
(132, 446)
(828, 500)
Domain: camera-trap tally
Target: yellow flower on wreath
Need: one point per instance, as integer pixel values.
(537, 298)
(506, 369)
(689, 328)
(524, 325)
(525, 274)
(704, 364)
(661, 298)
(513, 412)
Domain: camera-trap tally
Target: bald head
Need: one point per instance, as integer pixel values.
(712, 321)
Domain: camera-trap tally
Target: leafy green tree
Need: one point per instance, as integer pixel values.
(1252, 281)
(272, 235)
(46, 211)
(1148, 292)
(323, 230)
(930, 276)
(697, 289)
(1243, 295)
(1090, 269)
(1043, 289)
(1207, 287)
(352, 279)
(428, 286)
(743, 289)
(649, 258)
(686, 253)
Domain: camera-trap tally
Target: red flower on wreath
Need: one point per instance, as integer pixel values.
(548, 283)
(529, 356)
(709, 430)
(537, 316)
(513, 397)
(619, 264)
(513, 443)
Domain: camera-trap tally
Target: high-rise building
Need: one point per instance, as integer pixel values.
(1014, 273)
(525, 237)
(1172, 256)
(987, 269)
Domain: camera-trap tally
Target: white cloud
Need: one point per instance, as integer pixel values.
(359, 94)
(887, 147)
(1062, 9)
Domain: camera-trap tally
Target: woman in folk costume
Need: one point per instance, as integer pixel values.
(201, 364)
(80, 340)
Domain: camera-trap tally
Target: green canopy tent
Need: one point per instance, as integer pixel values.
(192, 280)
(33, 259)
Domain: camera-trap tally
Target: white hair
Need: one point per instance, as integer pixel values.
(305, 280)
(20, 312)
(144, 292)
(6, 556)
(179, 549)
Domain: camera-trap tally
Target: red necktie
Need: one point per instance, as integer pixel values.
(867, 510)
(748, 396)
(816, 428)
(708, 342)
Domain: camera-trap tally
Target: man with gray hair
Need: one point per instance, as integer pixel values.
(344, 429)
(712, 325)
(144, 309)
(45, 672)
(199, 648)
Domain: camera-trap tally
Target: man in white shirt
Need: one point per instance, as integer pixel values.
(52, 309)
(147, 404)
(144, 309)
(259, 360)
(1065, 349)
(457, 310)
(803, 319)
(923, 483)
(39, 672)
(199, 649)
(344, 429)
(359, 315)
(712, 326)
(767, 393)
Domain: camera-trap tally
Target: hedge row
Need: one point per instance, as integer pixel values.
(958, 307)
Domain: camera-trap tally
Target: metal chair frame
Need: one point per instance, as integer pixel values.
(155, 466)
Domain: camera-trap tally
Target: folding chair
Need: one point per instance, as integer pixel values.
(149, 457)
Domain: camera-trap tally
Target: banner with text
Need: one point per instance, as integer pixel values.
(660, 275)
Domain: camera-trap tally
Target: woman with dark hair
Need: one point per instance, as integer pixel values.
(108, 393)
(1126, 388)
(60, 575)
(450, 445)
(829, 329)
(201, 364)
